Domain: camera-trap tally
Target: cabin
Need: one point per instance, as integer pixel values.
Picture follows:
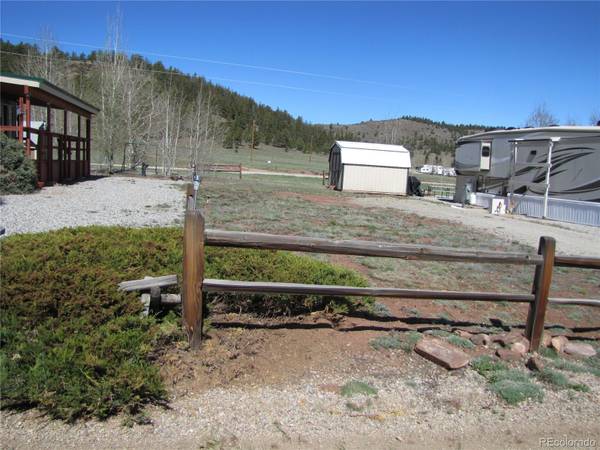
(548, 172)
(60, 142)
(369, 167)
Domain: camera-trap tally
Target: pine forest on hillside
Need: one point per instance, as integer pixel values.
(153, 112)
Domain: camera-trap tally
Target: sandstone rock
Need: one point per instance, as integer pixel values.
(464, 334)
(481, 339)
(519, 347)
(508, 355)
(507, 339)
(558, 343)
(535, 363)
(546, 340)
(579, 349)
(442, 353)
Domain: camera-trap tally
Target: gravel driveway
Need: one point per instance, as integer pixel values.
(435, 411)
(571, 239)
(105, 201)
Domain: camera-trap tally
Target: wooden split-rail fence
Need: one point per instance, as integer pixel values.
(227, 168)
(196, 237)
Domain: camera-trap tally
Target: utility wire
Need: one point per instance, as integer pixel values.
(223, 63)
(231, 80)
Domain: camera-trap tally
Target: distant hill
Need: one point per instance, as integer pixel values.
(178, 113)
(429, 142)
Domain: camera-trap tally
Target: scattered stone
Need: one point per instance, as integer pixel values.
(442, 353)
(535, 363)
(546, 340)
(519, 347)
(481, 339)
(508, 355)
(464, 334)
(507, 339)
(579, 349)
(559, 342)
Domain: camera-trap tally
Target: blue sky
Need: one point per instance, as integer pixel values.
(475, 62)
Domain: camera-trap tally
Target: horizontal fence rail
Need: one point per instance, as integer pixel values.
(577, 261)
(257, 287)
(139, 285)
(219, 238)
(574, 301)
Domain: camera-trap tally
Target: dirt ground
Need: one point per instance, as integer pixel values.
(276, 383)
(571, 239)
(264, 384)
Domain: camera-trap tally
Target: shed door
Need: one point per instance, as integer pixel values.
(375, 179)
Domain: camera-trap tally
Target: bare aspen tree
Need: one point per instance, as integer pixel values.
(112, 72)
(171, 114)
(540, 117)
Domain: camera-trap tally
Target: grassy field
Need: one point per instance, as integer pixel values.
(302, 206)
(280, 161)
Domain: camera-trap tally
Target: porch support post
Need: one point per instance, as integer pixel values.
(66, 148)
(20, 119)
(28, 121)
(88, 142)
(49, 143)
(78, 148)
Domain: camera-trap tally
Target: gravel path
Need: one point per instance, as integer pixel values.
(437, 410)
(104, 201)
(571, 239)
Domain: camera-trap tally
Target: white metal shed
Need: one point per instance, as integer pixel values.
(369, 167)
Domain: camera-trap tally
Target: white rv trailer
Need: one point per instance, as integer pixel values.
(558, 164)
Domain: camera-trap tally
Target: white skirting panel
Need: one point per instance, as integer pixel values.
(574, 211)
(389, 180)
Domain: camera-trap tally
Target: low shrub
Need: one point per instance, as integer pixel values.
(357, 388)
(485, 365)
(18, 174)
(460, 341)
(405, 341)
(74, 346)
(559, 380)
(512, 385)
(514, 392)
(71, 373)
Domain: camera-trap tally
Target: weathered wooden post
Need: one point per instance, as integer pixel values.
(193, 270)
(541, 289)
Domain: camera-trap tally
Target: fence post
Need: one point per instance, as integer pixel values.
(240, 171)
(541, 288)
(193, 270)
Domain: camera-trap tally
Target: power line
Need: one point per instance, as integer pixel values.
(211, 78)
(224, 63)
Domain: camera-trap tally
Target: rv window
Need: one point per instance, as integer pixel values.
(485, 159)
(532, 155)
